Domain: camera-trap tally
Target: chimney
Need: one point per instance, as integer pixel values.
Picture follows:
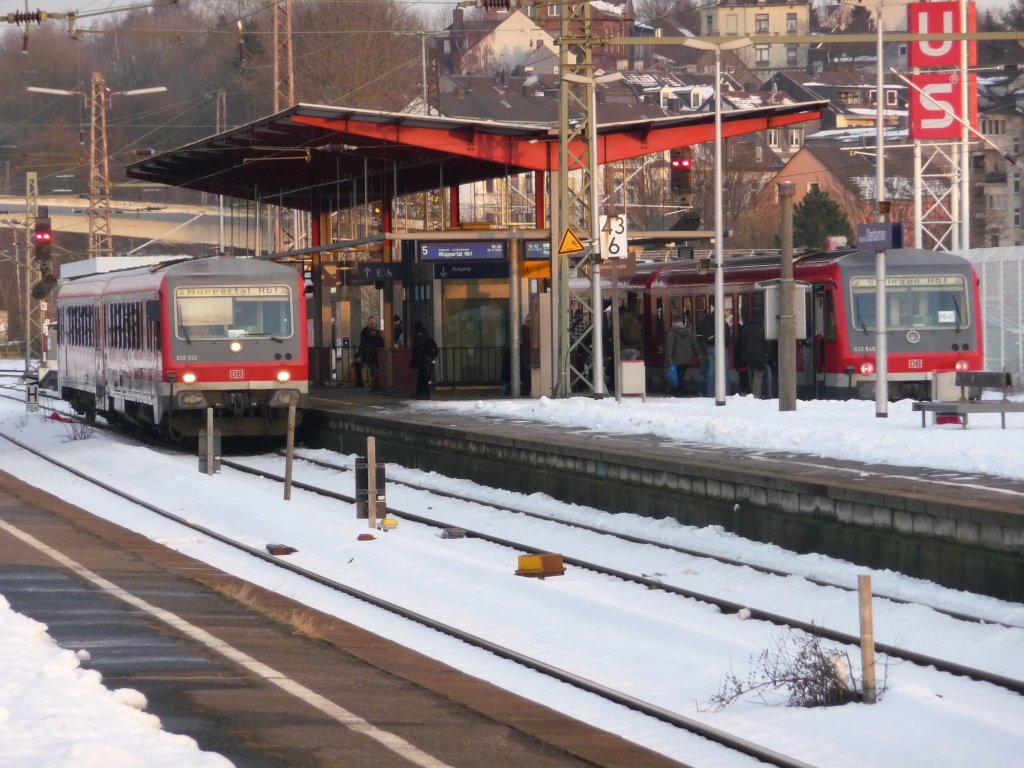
(457, 14)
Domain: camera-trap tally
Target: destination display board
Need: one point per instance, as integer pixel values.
(479, 250)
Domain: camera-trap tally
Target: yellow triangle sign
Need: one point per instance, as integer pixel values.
(570, 244)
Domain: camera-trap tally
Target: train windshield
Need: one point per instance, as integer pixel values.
(232, 312)
(921, 302)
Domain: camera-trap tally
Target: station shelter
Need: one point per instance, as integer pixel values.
(382, 193)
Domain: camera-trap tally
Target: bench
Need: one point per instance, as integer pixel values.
(971, 384)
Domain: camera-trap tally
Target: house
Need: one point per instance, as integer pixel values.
(761, 17)
(495, 44)
(842, 164)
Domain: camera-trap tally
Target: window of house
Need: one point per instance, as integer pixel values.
(761, 55)
(761, 23)
(758, 154)
(891, 97)
(796, 136)
(873, 96)
(773, 138)
(791, 23)
(791, 55)
(813, 186)
(553, 10)
(711, 22)
(694, 99)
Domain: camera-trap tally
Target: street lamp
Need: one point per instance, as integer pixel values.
(720, 351)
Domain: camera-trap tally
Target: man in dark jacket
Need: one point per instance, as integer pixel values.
(424, 353)
(755, 351)
(370, 340)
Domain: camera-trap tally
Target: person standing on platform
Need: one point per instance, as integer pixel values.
(370, 340)
(681, 348)
(755, 350)
(424, 353)
(397, 332)
(630, 335)
(706, 336)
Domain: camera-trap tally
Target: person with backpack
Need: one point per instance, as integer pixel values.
(681, 349)
(424, 353)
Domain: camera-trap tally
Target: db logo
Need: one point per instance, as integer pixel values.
(915, 364)
(236, 373)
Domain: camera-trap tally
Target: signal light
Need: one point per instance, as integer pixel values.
(962, 365)
(680, 184)
(43, 234)
(867, 369)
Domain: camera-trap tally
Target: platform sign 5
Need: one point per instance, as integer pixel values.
(613, 237)
(929, 120)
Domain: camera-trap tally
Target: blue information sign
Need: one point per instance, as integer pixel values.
(470, 270)
(880, 236)
(538, 250)
(478, 250)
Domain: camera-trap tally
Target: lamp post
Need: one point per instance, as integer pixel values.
(100, 236)
(720, 351)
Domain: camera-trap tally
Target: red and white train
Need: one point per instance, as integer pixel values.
(933, 315)
(157, 346)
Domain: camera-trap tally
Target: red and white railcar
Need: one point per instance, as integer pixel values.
(933, 315)
(157, 346)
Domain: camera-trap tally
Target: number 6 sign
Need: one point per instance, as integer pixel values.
(613, 237)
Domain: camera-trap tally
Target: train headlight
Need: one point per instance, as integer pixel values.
(283, 376)
(235, 346)
(866, 369)
(188, 378)
(962, 365)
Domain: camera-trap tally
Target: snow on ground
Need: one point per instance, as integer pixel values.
(659, 648)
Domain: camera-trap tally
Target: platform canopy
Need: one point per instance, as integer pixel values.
(320, 158)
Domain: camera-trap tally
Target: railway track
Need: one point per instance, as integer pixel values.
(689, 551)
(692, 725)
(609, 693)
(725, 605)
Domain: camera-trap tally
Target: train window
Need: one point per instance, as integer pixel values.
(922, 302)
(233, 311)
(673, 308)
(688, 309)
(757, 305)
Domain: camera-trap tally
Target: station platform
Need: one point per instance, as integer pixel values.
(966, 533)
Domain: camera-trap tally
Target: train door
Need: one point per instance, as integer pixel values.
(819, 348)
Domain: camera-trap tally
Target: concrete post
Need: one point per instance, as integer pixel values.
(787, 328)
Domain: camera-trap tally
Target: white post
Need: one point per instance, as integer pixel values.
(881, 351)
(289, 453)
(720, 350)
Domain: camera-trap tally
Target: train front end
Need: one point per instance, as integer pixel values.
(933, 321)
(235, 342)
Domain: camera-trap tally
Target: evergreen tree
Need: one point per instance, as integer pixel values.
(816, 217)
